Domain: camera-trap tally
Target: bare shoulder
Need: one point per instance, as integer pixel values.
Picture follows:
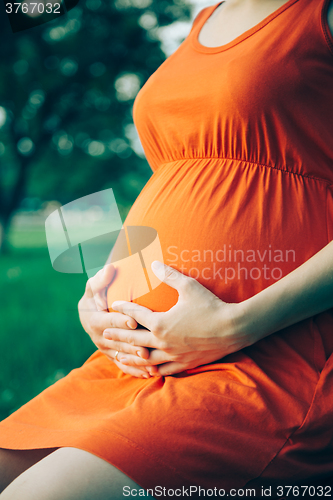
(330, 16)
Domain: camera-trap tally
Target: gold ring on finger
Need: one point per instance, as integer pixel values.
(117, 352)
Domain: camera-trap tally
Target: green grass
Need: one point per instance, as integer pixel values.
(41, 338)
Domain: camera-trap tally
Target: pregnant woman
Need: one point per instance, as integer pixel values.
(221, 376)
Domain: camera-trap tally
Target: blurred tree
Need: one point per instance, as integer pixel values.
(66, 94)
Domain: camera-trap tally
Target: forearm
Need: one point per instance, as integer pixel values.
(306, 291)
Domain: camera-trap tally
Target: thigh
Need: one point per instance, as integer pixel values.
(70, 474)
(14, 462)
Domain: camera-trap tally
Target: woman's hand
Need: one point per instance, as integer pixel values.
(199, 329)
(95, 318)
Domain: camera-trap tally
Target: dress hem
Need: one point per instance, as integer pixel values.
(145, 470)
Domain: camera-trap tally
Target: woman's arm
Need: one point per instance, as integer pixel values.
(201, 328)
(306, 291)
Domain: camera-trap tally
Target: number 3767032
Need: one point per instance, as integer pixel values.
(304, 491)
(33, 8)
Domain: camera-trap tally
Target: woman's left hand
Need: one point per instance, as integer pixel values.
(199, 329)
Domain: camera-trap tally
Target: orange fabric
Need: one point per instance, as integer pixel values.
(240, 141)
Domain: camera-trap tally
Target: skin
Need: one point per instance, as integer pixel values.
(236, 17)
(174, 337)
(187, 336)
(69, 474)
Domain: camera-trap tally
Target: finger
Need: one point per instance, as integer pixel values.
(171, 368)
(124, 348)
(131, 360)
(103, 320)
(116, 355)
(137, 337)
(132, 370)
(100, 302)
(100, 281)
(100, 294)
(141, 314)
(171, 276)
(157, 356)
(96, 290)
(153, 370)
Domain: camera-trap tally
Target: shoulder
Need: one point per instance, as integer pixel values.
(330, 16)
(201, 13)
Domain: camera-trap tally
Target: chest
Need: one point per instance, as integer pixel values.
(230, 20)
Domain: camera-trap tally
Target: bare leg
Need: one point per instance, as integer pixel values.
(70, 474)
(14, 462)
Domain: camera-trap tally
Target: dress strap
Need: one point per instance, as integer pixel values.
(201, 15)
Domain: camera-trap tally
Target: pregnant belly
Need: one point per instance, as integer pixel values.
(234, 226)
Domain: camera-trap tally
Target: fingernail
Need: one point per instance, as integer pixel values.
(129, 324)
(139, 354)
(145, 375)
(106, 335)
(117, 303)
(157, 265)
(123, 361)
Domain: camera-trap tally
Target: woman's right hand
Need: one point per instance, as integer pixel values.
(95, 318)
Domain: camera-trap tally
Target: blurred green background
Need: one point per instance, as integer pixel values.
(67, 89)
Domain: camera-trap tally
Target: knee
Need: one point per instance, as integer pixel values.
(7, 468)
(14, 462)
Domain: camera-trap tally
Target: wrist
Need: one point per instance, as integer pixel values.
(246, 323)
(265, 313)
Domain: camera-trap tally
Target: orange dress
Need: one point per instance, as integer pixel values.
(239, 138)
